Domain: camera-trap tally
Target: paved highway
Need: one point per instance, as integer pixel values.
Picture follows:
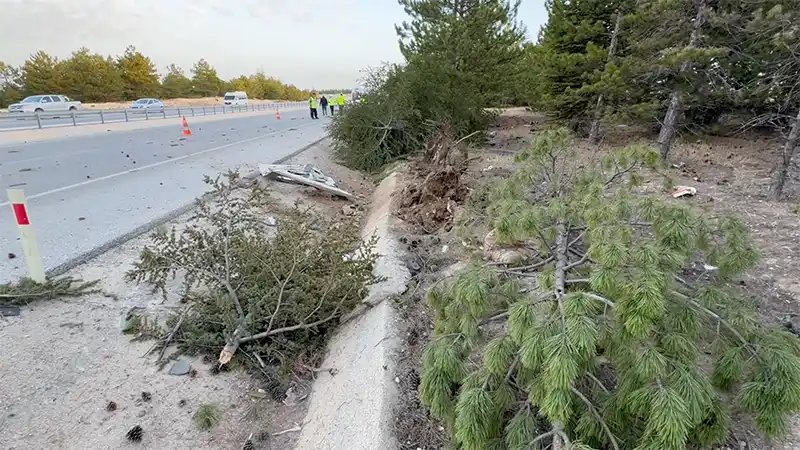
(9, 122)
(84, 192)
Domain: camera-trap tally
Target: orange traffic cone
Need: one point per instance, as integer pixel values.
(277, 115)
(186, 130)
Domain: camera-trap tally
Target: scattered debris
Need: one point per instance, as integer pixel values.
(11, 256)
(684, 191)
(111, 406)
(303, 174)
(146, 396)
(182, 403)
(135, 434)
(9, 310)
(296, 427)
(180, 367)
(294, 396)
(271, 221)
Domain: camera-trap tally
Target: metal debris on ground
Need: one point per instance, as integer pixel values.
(684, 191)
(303, 174)
(9, 310)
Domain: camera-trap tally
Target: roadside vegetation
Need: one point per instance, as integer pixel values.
(92, 77)
(265, 290)
(606, 317)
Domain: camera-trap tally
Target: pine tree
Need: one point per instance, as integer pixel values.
(11, 84)
(138, 74)
(476, 45)
(175, 84)
(763, 67)
(624, 332)
(92, 77)
(205, 81)
(574, 47)
(43, 74)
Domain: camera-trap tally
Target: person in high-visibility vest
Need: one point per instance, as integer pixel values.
(312, 105)
(340, 101)
(332, 104)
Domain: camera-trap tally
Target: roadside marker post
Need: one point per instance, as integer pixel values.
(27, 235)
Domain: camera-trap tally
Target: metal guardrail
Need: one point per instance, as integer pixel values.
(8, 121)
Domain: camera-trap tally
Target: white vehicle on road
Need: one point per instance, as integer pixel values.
(237, 98)
(44, 103)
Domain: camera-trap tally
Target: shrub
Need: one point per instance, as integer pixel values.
(276, 293)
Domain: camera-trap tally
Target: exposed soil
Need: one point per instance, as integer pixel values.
(732, 177)
(66, 361)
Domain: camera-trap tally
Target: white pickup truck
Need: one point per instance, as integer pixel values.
(44, 103)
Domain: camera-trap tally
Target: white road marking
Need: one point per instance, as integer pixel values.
(150, 166)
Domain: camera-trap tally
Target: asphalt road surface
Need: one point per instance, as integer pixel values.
(10, 122)
(84, 192)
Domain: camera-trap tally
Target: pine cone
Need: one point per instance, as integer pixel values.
(146, 396)
(135, 434)
(248, 445)
(111, 406)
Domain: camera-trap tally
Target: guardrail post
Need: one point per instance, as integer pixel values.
(126, 115)
(102, 117)
(164, 113)
(146, 114)
(193, 111)
(38, 120)
(27, 235)
(215, 110)
(204, 110)
(179, 112)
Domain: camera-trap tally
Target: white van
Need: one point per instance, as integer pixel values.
(238, 98)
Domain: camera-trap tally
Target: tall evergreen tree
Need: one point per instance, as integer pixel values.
(43, 74)
(477, 44)
(92, 77)
(574, 47)
(138, 74)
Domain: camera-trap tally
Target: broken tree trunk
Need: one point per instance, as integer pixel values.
(669, 128)
(594, 132)
(782, 170)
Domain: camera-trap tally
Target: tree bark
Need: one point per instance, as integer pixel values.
(668, 130)
(594, 132)
(782, 170)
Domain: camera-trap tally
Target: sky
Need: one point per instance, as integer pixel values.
(309, 43)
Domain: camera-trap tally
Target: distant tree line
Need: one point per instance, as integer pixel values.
(334, 91)
(92, 77)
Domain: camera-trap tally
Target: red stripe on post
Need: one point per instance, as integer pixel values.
(21, 214)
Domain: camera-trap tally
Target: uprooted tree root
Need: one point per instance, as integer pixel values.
(271, 293)
(434, 188)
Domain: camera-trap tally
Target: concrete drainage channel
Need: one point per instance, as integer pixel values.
(353, 409)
